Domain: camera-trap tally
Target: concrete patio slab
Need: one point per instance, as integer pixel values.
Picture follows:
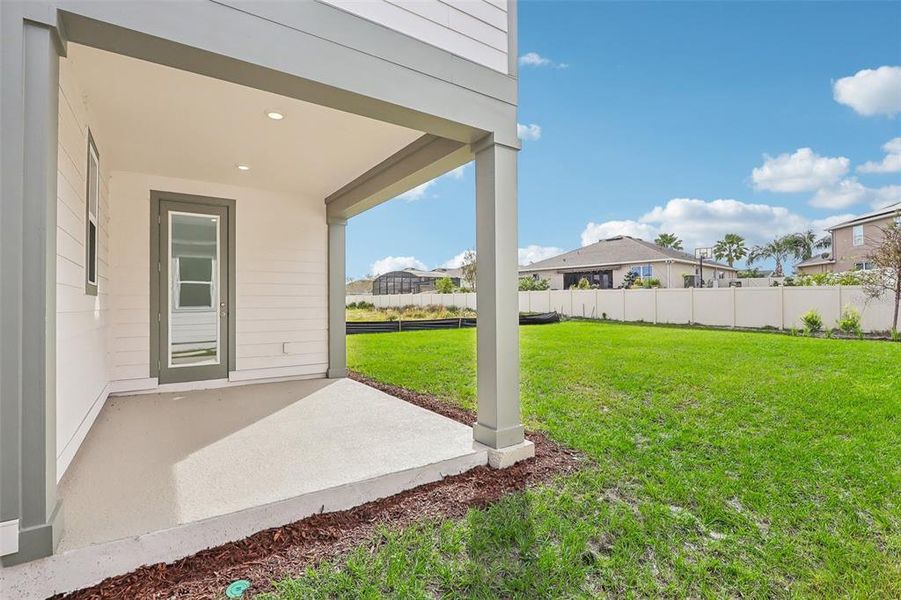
(163, 476)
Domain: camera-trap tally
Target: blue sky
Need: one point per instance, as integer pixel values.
(694, 118)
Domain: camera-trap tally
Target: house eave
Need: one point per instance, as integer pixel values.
(572, 268)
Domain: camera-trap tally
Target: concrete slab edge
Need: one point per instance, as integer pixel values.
(90, 565)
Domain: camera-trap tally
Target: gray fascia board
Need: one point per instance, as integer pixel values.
(421, 161)
(340, 77)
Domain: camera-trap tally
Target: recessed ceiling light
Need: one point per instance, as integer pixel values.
(243, 167)
(275, 115)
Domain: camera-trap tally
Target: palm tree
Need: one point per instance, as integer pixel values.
(804, 244)
(779, 250)
(669, 240)
(731, 248)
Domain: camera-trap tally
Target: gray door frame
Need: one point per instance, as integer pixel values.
(157, 198)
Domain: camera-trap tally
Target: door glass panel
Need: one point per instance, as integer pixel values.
(193, 290)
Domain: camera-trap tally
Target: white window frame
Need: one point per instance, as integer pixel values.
(857, 235)
(178, 282)
(92, 218)
(640, 270)
(864, 265)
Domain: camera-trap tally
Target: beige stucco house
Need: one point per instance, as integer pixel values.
(176, 182)
(606, 262)
(852, 242)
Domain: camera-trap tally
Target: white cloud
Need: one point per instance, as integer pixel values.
(871, 91)
(819, 226)
(890, 164)
(533, 59)
(527, 255)
(884, 196)
(700, 223)
(533, 253)
(845, 193)
(849, 192)
(456, 262)
(802, 171)
(528, 132)
(396, 263)
(419, 192)
(594, 232)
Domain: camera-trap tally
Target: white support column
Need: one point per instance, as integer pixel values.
(337, 343)
(499, 424)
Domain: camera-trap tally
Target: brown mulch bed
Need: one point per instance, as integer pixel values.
(282, 551)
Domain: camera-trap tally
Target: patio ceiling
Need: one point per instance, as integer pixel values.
(156, 119)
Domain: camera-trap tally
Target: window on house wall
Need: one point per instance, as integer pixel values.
(92, 218)
(863, 265)
(642, 271)
(857, 235)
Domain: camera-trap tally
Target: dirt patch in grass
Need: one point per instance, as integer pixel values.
(286, 551)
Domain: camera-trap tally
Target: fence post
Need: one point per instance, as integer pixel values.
(691, 306)
(781, 308)
(655, 306)
(623, 290)
(839, 301)
(734, 309)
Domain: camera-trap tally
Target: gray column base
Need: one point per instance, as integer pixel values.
(38, 541)
(498, 438)
(336, 373)
(501, 458)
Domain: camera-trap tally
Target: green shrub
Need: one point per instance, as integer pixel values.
(531, 284)
(813, 322)
(444, 285)
(362, 305)
(846, 278)
(849, 321)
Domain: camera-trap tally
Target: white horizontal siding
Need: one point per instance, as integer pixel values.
(82, 320)
(473, 29)
(281, 294)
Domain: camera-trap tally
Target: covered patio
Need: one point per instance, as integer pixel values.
(162, 476)
(174, 357)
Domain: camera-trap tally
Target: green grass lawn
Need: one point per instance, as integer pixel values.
(723, 464)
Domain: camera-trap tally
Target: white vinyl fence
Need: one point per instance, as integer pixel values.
(779, 307)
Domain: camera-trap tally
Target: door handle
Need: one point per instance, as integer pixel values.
(223, 311)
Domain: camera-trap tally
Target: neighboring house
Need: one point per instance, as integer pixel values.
(605, 265)
(820, 263)
(176, 182)
(852, 242)
(412, 281)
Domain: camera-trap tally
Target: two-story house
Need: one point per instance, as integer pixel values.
(852, 242)
(176, 179)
